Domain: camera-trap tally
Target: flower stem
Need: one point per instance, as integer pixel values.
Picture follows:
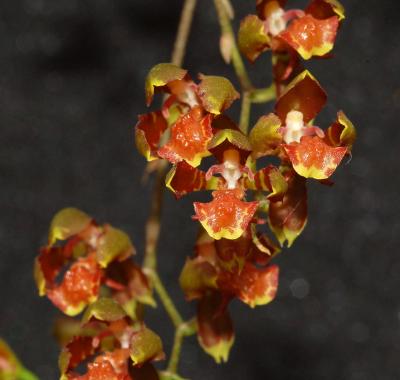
(184, 330)
(226, 29)
(183, 32)
(153, 222)
(166, 300)
(245, 112)
(263, 95)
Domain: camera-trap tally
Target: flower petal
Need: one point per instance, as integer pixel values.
(313, 158)
(265, 136)
(236, 138)
(47, 265)
(79, 287)
(75, 352)
(269, 179)
(65, 328)
(251, 247)
(189, 139)
(148, 132)
(66, 223)
(310, 36)
(303, 94)
(104, 309)
(146, 346)
(226, 139)
(258, 286)
(183, 179)
(287, 218)
(159, 76)
(323, 9)
(252, 37)
(109, 365)
(113, 244)
(342, 132)
(226, 216)
(215, 329)
(197, 277)
(263, 249)
(232, 254)
(205, 247)
(129, 285)
(285, 65)
(278, 184)
(216, 93)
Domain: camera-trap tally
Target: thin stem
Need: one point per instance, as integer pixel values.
(184, 330)
(166, 300)
(263, 95)
(183, 32)
(245, 112)
(277, 84)
(176, 351)
(237, 61)
(153, 222)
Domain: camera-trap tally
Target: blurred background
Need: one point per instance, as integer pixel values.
(71, 86)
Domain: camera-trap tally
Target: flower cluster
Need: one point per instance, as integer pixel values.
(89, 257)
(118, 347)
(305, 151)
(198, 131)
(232, 257)
(87, 266)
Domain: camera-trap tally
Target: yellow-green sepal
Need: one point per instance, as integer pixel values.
(160, 75)
(216, 93)
(66, 223)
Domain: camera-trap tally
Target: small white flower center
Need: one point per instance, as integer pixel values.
(231, 173)
(294, 127)
(190, 98)
(276, 22)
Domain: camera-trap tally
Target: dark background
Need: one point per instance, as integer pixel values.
(71, 85)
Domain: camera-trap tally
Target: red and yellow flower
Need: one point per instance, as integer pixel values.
(305, 150)
(290, 132)
(182, 130)
(232, 259)
(221, 271)
(291, 33)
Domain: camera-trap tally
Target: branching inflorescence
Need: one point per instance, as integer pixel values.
(233, 251)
